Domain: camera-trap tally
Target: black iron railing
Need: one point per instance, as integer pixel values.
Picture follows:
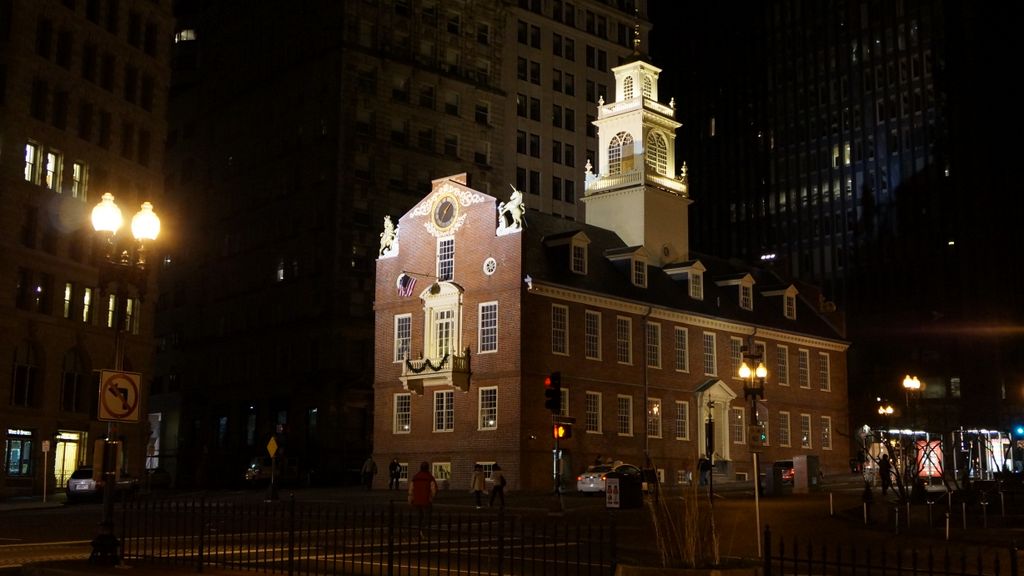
(293, 538)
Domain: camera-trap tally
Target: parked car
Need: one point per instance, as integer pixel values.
(81, 485)
(592, 480)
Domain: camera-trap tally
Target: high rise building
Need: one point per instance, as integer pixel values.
(82, 113)
(847, 144)
(292, 135)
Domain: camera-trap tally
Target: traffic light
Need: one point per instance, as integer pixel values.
(757, 435)
(553, 392)
(561, 431)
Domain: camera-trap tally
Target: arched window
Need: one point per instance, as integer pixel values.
(657, 153)
(648, 88)
(620, 153)
(627, 88)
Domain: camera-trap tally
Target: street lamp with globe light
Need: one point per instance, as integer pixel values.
(753, 388)
(121, 266)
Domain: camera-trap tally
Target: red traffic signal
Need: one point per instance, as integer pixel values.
(561, 431)
(553, 392)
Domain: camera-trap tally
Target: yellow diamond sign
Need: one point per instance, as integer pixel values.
(272, 447)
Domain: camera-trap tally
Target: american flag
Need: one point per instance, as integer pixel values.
(405, 285)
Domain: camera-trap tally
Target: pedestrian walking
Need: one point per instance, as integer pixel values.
(498, 490)
(422, 489)
(885, 471)
(369, 471)
(704, 466)
(478, 484)
(394, 474)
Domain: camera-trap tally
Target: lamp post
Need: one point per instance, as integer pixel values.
(120, 267)
(753, 389)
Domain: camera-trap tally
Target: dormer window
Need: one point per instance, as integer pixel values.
(579, 258)
(746, 297)
(640, 273)
(790, 304)
(697, 285)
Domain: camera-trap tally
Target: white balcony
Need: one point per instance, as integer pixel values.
(448, 370)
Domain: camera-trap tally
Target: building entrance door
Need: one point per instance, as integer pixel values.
(68, 454)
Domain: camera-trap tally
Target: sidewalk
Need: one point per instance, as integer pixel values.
(33, 502)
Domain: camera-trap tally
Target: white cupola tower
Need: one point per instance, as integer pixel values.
(636, 192)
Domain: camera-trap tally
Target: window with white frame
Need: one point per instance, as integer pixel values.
(444, 411)
(803, 369)
(441, 470)
(805, 431)
(627, 87)
(735, 354)
(782, 365)
(592, 335)
(620, 153)
(790, 304)
(624, 340)
(640, 273)
(443, 328)
(826, 432)
(488, 330)
(824, 379)
(697, 285)
(488, 408)
(746, 297)
(592, 412)
(682, 349)
(403, 414)
(737, 425)
(710, 362)
(445, 259)
(564, 411)
(653, 345)
(657, 153)
(579, 258)
(783, 430)
(403, 337)
(31, 162)
(559, 329)
(682, 420)
(624, 415)
(654, 417)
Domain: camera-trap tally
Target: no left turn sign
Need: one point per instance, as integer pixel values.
(119, 396)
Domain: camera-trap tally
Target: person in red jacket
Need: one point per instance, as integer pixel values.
(422, 489)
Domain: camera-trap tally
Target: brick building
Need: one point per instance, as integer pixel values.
(477, 300)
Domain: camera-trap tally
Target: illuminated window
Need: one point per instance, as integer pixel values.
(51, 170)
(488, 409)
(620, 153)
(403, 414)
(31, 162)
(654, 417)
(403, 337)
(826, 433)
(79, 180)
(805, 431)
(657, 153)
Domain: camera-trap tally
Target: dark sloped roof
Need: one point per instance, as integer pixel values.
(551, 264)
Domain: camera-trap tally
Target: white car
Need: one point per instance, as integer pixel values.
(81, 485)
(593, 479)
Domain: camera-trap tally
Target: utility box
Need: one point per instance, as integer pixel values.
(806, 474)
(623, 490)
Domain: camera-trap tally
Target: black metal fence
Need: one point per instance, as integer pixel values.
(794, 558)
(315, 538)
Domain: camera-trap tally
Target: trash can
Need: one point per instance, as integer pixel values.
(623, 490)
